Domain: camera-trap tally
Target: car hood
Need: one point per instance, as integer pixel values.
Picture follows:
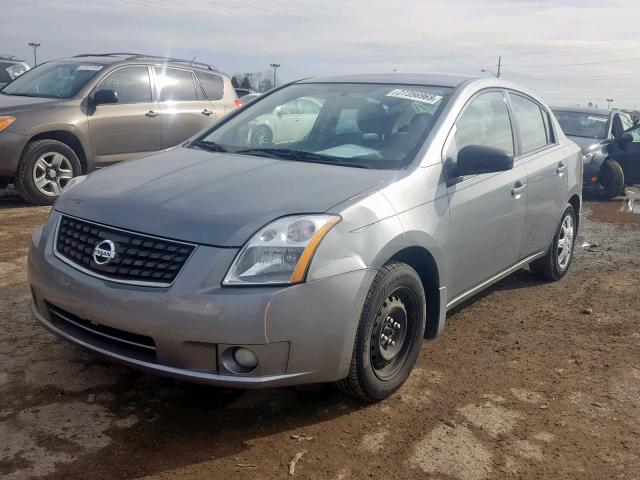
(215, 199)
(15, 103)
(586, 144)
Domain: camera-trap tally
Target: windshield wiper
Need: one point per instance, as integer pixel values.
(304, 156)
(208, 146)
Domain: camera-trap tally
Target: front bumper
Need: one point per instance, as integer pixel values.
(11, 147)
(301, 334)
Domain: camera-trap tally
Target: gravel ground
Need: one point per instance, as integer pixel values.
(530, 380)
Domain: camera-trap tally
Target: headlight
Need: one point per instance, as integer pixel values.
(588, 157)
(73, 182)
(280, 253)
(5, 121)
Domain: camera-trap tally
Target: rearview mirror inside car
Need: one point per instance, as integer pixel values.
(478, 159)
(105, 97)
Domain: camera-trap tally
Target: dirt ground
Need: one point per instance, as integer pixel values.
(530, 380)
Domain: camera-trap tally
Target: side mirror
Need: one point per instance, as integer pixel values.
(478, 159)
(278, 111)
(105, 97)
(626, 137)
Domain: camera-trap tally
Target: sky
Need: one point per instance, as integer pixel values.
(569, 51)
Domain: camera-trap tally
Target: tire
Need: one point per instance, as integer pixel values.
(610, 180)
(261, 135)
(555, 265)
(38, 161)
(395, 306)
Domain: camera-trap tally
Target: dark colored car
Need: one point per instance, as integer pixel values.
(10, 68)
(610, 142)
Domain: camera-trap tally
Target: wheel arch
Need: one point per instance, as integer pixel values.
(421, 252)
(68, 138)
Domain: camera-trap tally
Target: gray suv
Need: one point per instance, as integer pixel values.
(66, 117)
(323, 255)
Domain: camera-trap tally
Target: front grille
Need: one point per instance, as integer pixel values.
(138, 258)
(114, 340)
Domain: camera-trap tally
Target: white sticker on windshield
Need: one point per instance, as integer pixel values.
(417, 95)
(92, 68)
(597, 119)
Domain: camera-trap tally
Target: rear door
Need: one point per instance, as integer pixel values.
(627, 154)
(130, 127)
(213, 86)
(547, 172)
(487, 211)
(183, 108)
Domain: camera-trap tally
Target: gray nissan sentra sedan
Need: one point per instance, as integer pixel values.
(322, 252)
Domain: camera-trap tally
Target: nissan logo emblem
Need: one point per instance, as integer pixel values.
(104, 252)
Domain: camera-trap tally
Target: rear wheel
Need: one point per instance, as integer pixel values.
(389, 334)
(555, 264)
(45, 168)
(261, 135)
(610, 181)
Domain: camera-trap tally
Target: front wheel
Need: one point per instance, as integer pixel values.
(389, 334)
(45, 168)
(610, 181)
(555, 264)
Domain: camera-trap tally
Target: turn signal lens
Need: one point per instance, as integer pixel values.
(238, 102)
(5, 122)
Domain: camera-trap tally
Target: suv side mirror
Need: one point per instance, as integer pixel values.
(278, 111)
(105, 97)
(477, 159)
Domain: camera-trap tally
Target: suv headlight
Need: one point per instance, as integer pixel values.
(280, 252)
(5, 121)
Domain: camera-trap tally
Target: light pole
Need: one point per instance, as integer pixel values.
(34, 45)
(609, 102)
(275, 67)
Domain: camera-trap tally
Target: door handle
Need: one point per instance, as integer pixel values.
(561, 168)
(207, 112)
(151, 114)
(517, 190)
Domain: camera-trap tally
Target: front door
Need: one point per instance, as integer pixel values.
(130, 127)
(487, 211)
(627, 152)
(183, 108)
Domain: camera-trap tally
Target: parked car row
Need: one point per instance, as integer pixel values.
(323, 249)
(66, 117)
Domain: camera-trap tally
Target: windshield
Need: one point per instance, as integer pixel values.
(361, 125)
(580, 124)
(53, 80)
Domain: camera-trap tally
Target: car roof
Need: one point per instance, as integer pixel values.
(591, 110)
(439, 79)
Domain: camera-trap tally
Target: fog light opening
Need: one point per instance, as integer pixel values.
(239, 360)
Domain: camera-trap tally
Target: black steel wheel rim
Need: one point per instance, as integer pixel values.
(393, 332)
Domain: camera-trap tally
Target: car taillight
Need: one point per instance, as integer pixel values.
(238, 102)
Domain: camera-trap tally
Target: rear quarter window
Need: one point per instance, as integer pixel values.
(212, 84)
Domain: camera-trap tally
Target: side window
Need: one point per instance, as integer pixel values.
(627, 123)
(213, 85)
(175, 85)
(531, 124)
(307, 107)
(289, 108)
(131, 84)
(485, 121)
